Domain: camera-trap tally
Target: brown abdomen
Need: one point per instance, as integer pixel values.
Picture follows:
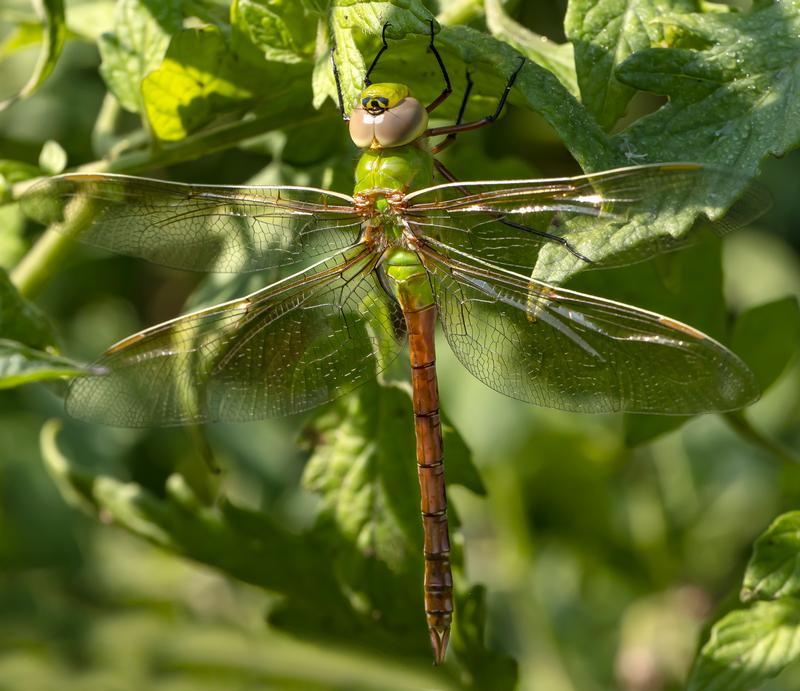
(430, 467)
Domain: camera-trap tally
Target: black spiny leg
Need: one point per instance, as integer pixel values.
(345, 116)
(384, 48)
(448, 87)
(500, 217)
(477, 124)
(452, 136)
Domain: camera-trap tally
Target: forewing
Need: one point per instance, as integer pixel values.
(563, 349)
(612, 218)
(196, 227)
(287, 348)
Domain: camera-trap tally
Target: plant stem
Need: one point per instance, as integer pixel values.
(745, 429)
(40, 263)
(103, 133)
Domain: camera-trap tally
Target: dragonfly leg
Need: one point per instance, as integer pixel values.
(450, 138)
(448, 87)
(447, 175)
(477, 124)
(384, 48)
(336, 77)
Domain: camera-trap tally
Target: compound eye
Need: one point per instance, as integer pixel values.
(362, 128)
(401, 124)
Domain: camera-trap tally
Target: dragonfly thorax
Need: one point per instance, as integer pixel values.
(383, 222)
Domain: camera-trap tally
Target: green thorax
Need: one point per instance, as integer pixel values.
(401, 168)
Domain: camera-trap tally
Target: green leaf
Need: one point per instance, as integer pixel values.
(52, 158)
(199, 78)
(487, 668)
(20, 365)
(54, 33)
(282, 30)
(244, 544)
(774, 569)
(306, 569)
(202, 79)
(142, 32)
(492, 61)
(489, 60)
(604, 34)
(21, 320)
(364, 467)
(352, 19)
(556, 57)
(642, 429)
(686, 286)
(767, 337)
(746, 647)
(732, 102)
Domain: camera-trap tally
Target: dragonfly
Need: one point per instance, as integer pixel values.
(371, 270)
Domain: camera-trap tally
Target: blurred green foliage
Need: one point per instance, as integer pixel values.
(593, 553)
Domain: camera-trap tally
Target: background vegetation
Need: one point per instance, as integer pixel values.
(594, 552)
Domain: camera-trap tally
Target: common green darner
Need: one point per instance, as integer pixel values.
(383, 264)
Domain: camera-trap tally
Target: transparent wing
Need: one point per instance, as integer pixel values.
(197, 227)
(286, 348)
(613, 218)
(567, 350)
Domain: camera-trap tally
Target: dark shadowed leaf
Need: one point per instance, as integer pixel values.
(486, 668)
(767, 337)
(21, 320)
(364, 468)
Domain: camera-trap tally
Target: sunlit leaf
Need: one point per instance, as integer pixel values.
(555, 57)
(198, 78)
(774, 568)
(747, 647)
(604, 34)
(142, 32)
(349, 21)
(202, 79)
(282, 30)
(733, 101)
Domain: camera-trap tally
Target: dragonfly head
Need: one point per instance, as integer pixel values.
(387, 115)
